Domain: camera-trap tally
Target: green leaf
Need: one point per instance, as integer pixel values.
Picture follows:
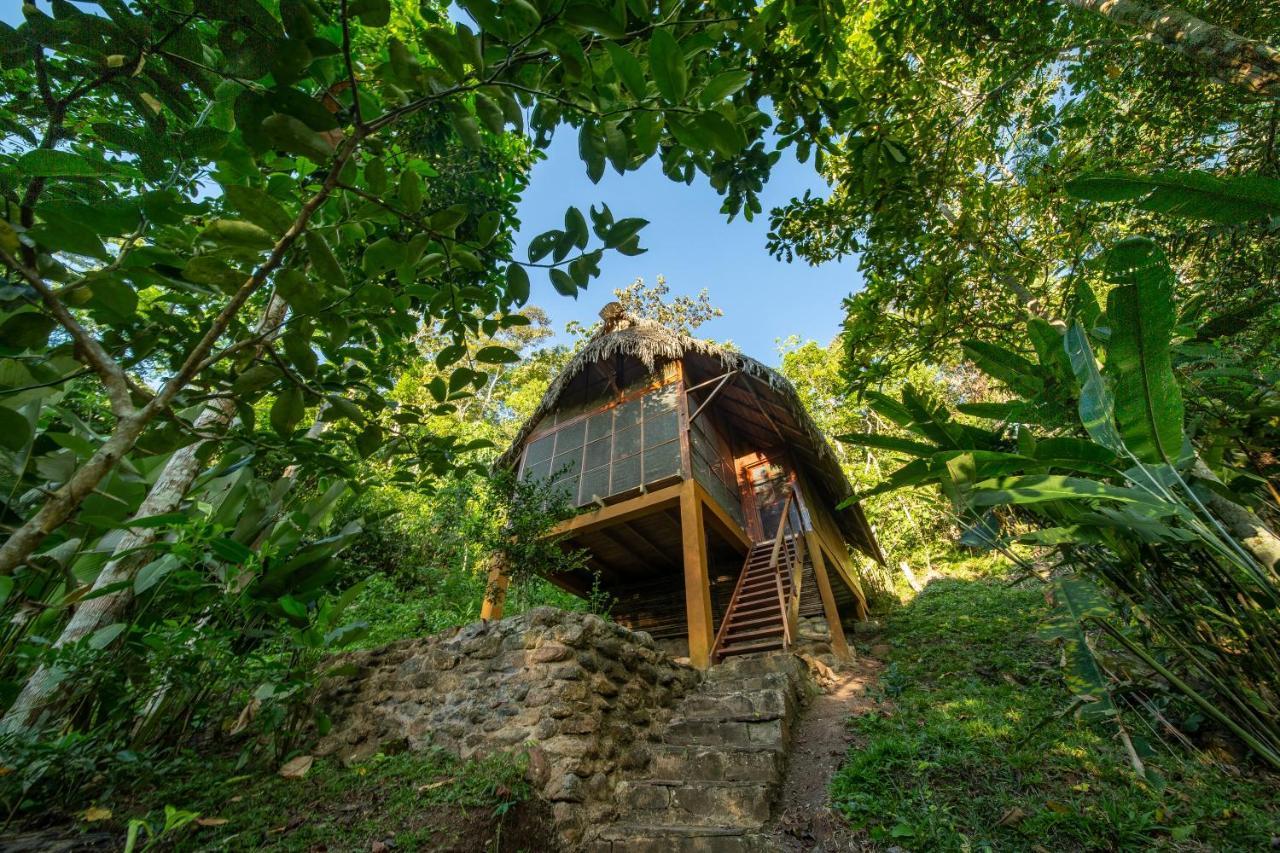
(1195, 195)
(382, 254)
(563, 283)
(628, 69)
(1096, 405)
(259, 208)
(723, 85)
(497, 355)
(27, 330)
(152, 573)
(237, 233)
(1148, 399)
(303, 295)
(666, 61)
(445, 49)
(1037, 488)
(1080, 601)
(324, 263)
(369, 440)
(726, 137)
(410, 191)
(1005, 365)
(889, 442)
(596, 17)
(106, 635)
(287, 411)
(623, 230)
(517, 284)
(53, 163)
(295, 137)
(372, 13)
(15, 429)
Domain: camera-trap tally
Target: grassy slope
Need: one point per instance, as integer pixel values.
(409, 801)
(968, 761)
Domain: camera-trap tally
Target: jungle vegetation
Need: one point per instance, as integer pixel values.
(263, 323)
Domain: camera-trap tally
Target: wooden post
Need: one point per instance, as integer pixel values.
(697, 586)
(495, 591)
(838, 644)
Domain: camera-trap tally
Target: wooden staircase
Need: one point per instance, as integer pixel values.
(754, 620)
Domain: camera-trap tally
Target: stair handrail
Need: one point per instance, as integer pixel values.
(733, 600)
(788, 630)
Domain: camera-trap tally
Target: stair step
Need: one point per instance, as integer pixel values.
(747, 706)
(747, 648)
(757, 617)
(647, 838)
(671, 801)
(735, 637)
(734, 733)
(727, 764)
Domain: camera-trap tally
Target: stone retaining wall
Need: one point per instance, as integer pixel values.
(580, 694)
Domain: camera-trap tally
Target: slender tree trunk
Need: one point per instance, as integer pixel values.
(165, 496)
(1241, 522)
(1228, 56)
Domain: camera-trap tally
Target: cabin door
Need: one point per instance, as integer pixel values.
(769, 490)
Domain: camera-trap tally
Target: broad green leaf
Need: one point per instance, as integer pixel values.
(324, 263)
(295, 137)
(1195, 195)
(106, 635)
(154, 572)
(302, 294)
(889, 442)
(259, 208)
(54, 163)
(563, 283)
(1005, 365)
(497, 355)
(1037, 488)
(1148, 399)
(15, 429)
(1096, 405)
(517, 284)
(372, 13)
(628, 68)
(287, 411)
(237, 233)
(666, 62)
(724, 85)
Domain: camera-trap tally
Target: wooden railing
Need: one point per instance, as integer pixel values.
(788, 604)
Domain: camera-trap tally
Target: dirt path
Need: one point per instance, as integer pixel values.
(818, 748)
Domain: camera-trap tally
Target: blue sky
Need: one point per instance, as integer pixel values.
(690, 243)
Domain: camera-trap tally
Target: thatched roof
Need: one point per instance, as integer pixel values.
(653, 345)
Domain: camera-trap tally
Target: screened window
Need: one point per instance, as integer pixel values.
(713, 466)
(610, 452)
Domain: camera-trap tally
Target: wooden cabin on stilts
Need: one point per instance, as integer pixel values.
(710, 500)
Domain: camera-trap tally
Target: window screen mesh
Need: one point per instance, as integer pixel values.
(611, 452)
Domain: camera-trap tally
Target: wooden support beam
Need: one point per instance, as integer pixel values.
(647, 504)
(697, 585)
(629, 539)
(838, 644)
(495, 594)
(714, 391)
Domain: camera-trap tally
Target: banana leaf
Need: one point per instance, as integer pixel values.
(1148, 400)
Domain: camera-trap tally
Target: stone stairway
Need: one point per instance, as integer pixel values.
(711, 779)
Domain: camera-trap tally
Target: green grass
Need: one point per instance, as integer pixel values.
(975, 753)
(418, 801)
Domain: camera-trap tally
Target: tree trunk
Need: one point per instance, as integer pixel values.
(1228, 56)
(1241, 522)
(165, 496)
